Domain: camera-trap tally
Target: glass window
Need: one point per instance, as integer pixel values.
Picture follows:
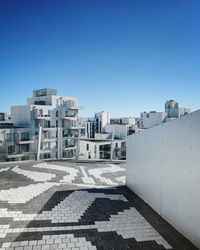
(24, 136)
(36, 123)
(11, 149)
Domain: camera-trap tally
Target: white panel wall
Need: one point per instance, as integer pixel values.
(163, 168)
(21, 115)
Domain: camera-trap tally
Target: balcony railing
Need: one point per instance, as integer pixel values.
(49, 127)
(40, 116)
(68, 117)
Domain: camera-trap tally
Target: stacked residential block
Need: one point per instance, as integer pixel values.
(48, 127)
(105, 138)
(45, 128)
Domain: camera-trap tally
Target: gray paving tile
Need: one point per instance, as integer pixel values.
(70, 205)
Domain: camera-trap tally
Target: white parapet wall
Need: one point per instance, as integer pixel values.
(163, 168)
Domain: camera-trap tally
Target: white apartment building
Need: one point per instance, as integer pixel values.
(100, 120)
(5, 120)
(88, 124)
(94, 124)
(123, 120)
(52, 124)
(151, 119)
(174, 111)
(102, 137)
(118, 131)
(17, 144)
(102, 149)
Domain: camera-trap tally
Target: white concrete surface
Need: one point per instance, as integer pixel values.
(163, 168)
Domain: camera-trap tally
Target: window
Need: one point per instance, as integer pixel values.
(24, 136)
(47, 124)
(25, 158)
(49, 112)
(45, 146)
(47, 156)
(56, 113)
(56, 123)
(39, 102)
(2, 118)
(11, 149)
(36, 123)
(24, 148)
(147, 116)
(9, 137)
(116, 145)
(123, 144)
(40, 112)
(95, 151)
(57, 103)
(63, 123)
(73, 123)
(87, 146)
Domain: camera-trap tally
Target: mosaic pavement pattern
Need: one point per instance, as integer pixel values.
(77, 206)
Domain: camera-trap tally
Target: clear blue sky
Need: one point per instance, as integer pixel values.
(119, 56)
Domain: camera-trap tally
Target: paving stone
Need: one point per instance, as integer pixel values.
(69, 205)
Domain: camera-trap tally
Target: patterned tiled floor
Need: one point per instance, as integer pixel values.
(76, 206)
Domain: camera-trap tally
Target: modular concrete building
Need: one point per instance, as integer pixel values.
(51, 124)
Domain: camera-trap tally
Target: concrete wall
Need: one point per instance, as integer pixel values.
(84, 153)
(21, 115)
(152, 119)
(163, 168)
(119, 131)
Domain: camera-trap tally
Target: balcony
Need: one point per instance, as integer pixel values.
(52, 139)
(43, 116)
(75, 127)
(68, 117)
(73, 107)
(18, 154)
(76, 107)
(69, 147)
(69, 136)
(24, 140)
(45, 150)
(51, 127)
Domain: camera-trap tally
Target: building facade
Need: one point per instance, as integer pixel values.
(151, 119)
(51, 124)
(100, 120)
(173, 110)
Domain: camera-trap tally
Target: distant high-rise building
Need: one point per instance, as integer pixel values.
(153, 118)
(101, 119)
(174, 111)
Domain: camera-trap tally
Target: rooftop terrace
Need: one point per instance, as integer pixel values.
(63, 205)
